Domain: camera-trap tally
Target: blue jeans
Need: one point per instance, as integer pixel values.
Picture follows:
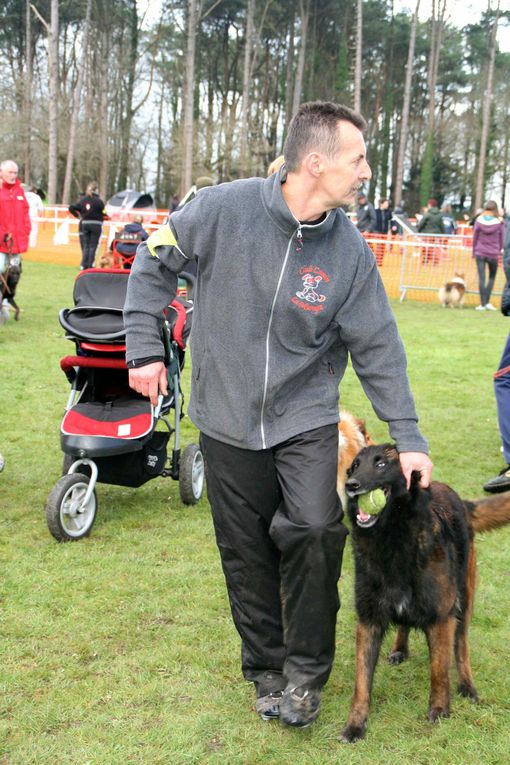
(502, 392)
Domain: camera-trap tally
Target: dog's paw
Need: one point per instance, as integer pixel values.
(468, 690)
(352, 733)
(435, 713)
(397, 657)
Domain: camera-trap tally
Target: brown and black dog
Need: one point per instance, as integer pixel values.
(415, 566)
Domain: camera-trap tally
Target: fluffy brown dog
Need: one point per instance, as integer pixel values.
(352, 437)
(105, 260)
(452, 293)
(415, 566)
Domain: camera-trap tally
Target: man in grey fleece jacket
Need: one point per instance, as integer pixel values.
(286, 290)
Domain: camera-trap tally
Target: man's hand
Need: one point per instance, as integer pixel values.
(149, 380)
(419, 461)
(7, 237)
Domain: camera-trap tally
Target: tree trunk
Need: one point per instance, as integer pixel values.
(104, 132)
(53, 104)
(245, 106)
(427, 166)
(187, 98)
(304, 8)
(359, 49)
(289, 95)
(399, 179)
(128, 112)
(76, 107)
(480, 178)
(27, 154)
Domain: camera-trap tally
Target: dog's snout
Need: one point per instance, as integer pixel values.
(352, 484)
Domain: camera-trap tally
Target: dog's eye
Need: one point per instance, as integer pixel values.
(380, 464)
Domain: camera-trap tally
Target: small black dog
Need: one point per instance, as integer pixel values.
(415, 566)
(9, 285)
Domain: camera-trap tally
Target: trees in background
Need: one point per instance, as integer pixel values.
(91, 89)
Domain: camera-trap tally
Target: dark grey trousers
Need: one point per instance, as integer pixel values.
(278, 527)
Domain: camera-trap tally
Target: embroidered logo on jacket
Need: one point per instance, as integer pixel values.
(309, 298)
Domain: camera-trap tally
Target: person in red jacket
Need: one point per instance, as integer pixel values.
(14, 228)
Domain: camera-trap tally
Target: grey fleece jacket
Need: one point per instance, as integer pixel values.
(278, 308)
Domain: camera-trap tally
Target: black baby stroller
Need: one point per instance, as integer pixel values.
(108, 433)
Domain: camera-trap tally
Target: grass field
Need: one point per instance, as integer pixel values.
(120, 648)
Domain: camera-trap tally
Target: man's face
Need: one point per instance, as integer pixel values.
(384, 205)
(9, 172)
(344, 175)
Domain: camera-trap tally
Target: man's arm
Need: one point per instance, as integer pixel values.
(369, 331)
(373, 218)
(152, 286)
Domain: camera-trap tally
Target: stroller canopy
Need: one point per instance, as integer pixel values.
(99, 297)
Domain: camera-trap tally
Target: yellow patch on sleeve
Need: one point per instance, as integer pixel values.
(162, 237)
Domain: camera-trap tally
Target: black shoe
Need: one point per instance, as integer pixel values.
(299, 707)
(268, 707)
(500, 483)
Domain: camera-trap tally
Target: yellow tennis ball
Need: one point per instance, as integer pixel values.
(372, 502)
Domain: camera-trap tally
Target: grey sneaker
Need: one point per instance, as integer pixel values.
(299, 707)
(500, 483)
(268, 707)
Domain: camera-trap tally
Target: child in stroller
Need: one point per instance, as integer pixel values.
(108, 433)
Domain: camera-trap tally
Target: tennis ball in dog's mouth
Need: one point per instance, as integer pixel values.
(372, 502)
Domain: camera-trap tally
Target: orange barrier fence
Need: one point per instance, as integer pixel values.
(412, 266)
(415, 266)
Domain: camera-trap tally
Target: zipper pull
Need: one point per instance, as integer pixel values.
(299, 239)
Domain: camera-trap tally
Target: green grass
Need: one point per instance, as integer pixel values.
(120, 648)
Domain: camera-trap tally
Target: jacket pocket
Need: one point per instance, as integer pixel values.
(220, 390)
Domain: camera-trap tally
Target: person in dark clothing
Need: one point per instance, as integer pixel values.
(128, 239)
(383, 216)
(304, 294)
(365, 215)
(449, 222)
(432, 221)
(90, 210)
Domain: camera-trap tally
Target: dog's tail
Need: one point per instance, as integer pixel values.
(490, 513)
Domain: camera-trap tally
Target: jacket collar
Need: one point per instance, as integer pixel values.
(12, 186)
(278, 210)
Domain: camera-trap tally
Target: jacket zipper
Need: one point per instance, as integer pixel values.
(266, 371)
(299, 246)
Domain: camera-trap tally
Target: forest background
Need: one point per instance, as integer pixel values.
(152, 95)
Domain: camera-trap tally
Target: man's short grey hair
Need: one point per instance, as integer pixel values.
(6, 162)
(314, 127)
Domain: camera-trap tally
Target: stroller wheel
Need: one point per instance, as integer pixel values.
(68, 517)
(191, 474)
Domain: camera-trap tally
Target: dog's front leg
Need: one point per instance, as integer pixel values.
(440, 638)
(368, 644)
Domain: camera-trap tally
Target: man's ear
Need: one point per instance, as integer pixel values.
(314, 164)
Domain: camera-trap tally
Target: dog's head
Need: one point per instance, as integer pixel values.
(374, 478)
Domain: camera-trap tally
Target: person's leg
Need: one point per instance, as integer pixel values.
(502, 393)
(92, 233)
(308, 530)
(82, 235)
(243, 492)
(492, 266)
(480, 267)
